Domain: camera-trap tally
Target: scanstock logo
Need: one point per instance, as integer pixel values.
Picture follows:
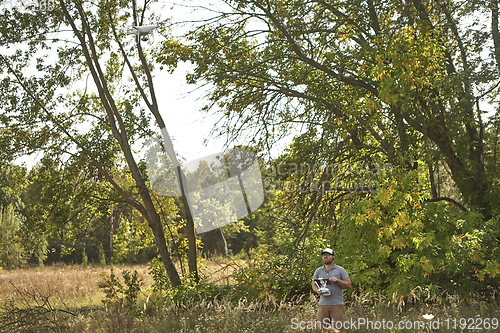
(27, 6)
(219, 188)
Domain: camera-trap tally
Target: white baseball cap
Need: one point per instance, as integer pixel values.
(329, 251)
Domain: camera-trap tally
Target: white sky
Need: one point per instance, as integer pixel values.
(179, 105)
(180, 108)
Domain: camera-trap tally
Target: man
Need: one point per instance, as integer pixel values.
(331, 308)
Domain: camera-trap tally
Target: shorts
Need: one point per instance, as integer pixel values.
(334, 314)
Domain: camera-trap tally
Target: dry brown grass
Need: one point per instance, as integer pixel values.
(67, 282)
(74, 283)
(257, 316)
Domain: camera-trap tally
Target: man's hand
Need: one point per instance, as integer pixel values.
(334, 279)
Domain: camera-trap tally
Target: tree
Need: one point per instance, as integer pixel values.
(47, 111)
(401, 79)
(365, 87)
(13, 251)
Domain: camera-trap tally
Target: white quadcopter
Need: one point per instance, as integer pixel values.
(144, 32)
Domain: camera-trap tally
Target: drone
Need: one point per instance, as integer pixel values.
(144, 32)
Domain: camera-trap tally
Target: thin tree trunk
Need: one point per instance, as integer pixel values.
(225, 242)
(190, 232)
(111, 232)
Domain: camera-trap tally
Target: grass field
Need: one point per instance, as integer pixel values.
(74, 283)
(67, 299)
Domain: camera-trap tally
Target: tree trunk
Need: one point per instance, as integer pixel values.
(225, 242)
(111, 232)
(155, 225)
(190, 232)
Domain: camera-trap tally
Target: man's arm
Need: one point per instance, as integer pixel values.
(315, 287)
(314, 284)
(345, 283)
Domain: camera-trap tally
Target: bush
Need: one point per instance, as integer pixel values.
(12, 252)
(119, 295)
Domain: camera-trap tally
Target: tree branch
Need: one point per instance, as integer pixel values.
(450, 200)
(297, 50)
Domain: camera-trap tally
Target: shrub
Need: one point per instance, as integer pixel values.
(119, 295)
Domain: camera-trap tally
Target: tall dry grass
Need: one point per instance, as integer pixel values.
(71, 283)
(67, 299)
(269, 315)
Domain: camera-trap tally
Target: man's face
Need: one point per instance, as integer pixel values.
(328, 258)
